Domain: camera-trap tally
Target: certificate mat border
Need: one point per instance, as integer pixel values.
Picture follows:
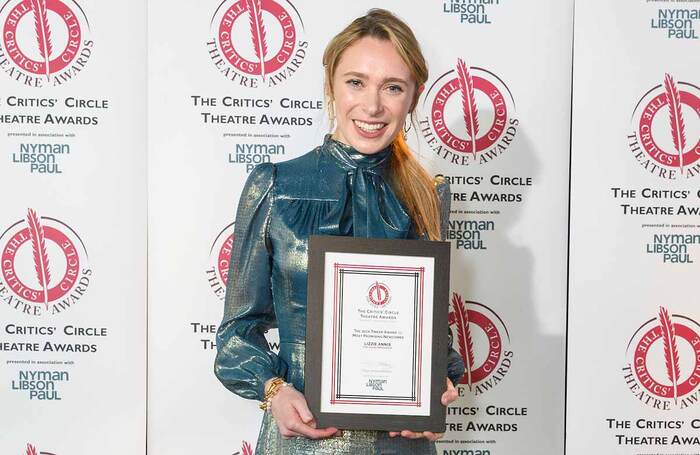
(440, 252)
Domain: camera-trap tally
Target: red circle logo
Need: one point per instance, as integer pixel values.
(256, 38)
(482, 340)
(45, 38)
(667, 130)
(43, 263)
(378, 294)
(665, 359)
(471, 116)
(220, 261)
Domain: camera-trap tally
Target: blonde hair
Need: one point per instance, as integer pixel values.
(412, 183)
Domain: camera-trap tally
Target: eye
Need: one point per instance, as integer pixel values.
(394, 88)
(354, 82)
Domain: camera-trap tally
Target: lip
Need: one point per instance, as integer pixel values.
(370, 134)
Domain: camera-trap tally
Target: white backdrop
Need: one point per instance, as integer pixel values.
(210, 116)
(633, 312)
(73, 224)
(76, 145)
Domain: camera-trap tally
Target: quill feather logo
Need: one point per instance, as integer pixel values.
(41, 259)
(247, 449)
(471, 113)
(271, 51)
(43, 33)
(663, 368)
(668, 334)
(673, 98)
(31, 450)
(43, 263)
(483, 343)
(472, 116)
(257, 32)
(45, 40)
(670, 148)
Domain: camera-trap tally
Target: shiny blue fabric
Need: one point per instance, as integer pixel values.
(332, 190)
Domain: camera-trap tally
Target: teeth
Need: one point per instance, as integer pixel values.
(369, 126)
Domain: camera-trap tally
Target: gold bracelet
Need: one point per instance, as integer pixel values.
(271, 390)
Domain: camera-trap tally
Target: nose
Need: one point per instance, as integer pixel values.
(372, 103)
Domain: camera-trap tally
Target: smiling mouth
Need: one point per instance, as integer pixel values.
(369, 127)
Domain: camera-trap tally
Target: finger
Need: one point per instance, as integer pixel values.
(303, 409)
(287, 433)
(313, 433)
(411, 435)
(393, 434)
(450, 394)
(433, 436)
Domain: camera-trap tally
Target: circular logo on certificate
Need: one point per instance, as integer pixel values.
(665, 139)
(482, 339)
(46, 41)
(663, 369)
(471, 116)
(257, 41)
(219, 261)
(44, 266)
(378, 294)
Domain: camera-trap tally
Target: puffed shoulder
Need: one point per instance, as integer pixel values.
(260, 179)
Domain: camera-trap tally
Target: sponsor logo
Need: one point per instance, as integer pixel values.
(44, 42)
(470, 11)
(32, 450)
(663, 362)
(40, 385)
(219, 261)
(483, 341)
(675, 21)
(376, 384)
(471, 116)
(665, 137)
(256, 42)
(673, 248)
(43, 265)
(378, 294)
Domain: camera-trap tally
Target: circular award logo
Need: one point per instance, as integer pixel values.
(256, 41)
(219, 261)
(663, 368)
(44, 266)
(471, 116)
(482, 339)
(665, 137)
(378, 294)
(47, 42)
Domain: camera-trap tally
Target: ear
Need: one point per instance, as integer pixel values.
(419, 90)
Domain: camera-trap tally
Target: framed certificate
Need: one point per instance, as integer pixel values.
(376, 333)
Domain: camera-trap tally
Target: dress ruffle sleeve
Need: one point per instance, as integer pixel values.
(244, 361)
(455, 363)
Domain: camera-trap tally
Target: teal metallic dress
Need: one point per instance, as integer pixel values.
(332, 190)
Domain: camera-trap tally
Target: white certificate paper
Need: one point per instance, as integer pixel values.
(377, 329)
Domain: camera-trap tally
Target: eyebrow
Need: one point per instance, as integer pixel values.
(384, 81)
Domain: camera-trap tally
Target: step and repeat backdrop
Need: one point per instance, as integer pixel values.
(634, 313)
(96, 126)
(219, 106)
(72, 227)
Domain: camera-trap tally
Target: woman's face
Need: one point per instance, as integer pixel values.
(372, 90)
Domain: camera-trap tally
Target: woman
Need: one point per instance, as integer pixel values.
(362, 181)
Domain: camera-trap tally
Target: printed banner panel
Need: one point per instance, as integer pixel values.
(634, 332)
(219, 105)
(72, 227)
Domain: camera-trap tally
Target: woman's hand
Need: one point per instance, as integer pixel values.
(293, 417)
(448, 397)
